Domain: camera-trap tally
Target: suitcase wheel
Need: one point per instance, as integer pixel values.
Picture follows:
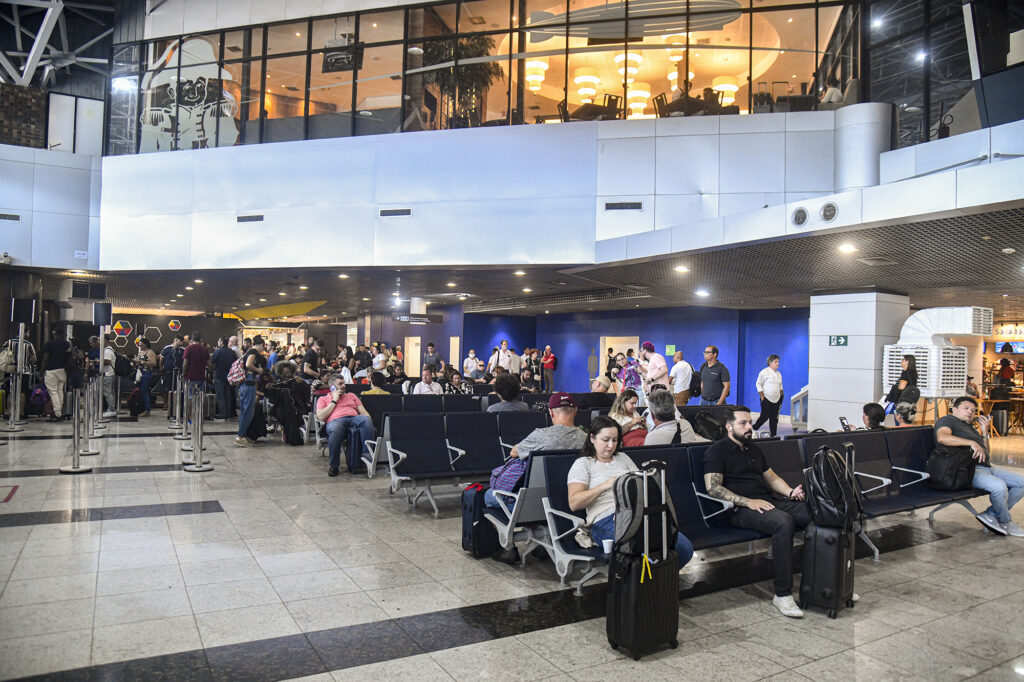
(850, 603)
(673, 644)
(832, 613)
(612, 643)
(636, 657)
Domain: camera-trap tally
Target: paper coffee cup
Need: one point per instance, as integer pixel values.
(607, 546)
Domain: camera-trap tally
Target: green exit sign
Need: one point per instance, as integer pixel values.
(838, 340)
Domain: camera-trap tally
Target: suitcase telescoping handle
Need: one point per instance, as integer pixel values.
(649, 467)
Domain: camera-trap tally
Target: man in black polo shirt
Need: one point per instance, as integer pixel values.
(735, 471)
(311, 361)
(715, 381)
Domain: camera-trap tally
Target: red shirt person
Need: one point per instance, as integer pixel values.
(548, 363)
(347, 421)
(195, 360)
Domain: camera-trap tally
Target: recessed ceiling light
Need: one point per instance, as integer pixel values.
(248, 304)
(303, 287)
(793, 76)
(519, 273)
(847, 247)
(1008, 250)
(299, 35)
(681, 268)
(450, 284)
(427, 303)
(789, 21)
(527, 290)
(179, 295)
(263, 300)
(198, 281)
(375, 25)
(189, 288)
(986, 237)
(546, 312)
(281, 293)
(875, 23)
(702, 293)
(462, 298)
(1005, 295)
(366, 299)
(343, 276)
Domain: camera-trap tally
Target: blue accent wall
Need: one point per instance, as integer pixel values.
(744, 339)
(385, 328)
(484, 332)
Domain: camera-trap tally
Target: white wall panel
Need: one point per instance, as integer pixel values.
(810, 120)
(647, 244)
(150, 184)
(199, 17)
(686, 164)
(60, 123)
(56, 237)
(126, 242)
(731, 204)
(61, 190)
(229, 13)
(763, 123)
(296, 9)
(677, 209)
(842, 384)
(698, 235)
(616, 223)
(688, 125)
(764, 224)
(897, 165)
(16, 184)
(89, 127)
(169, 18)
(929, 194)
(991, 183)
(262, 11)
(16, 235)
(1007, 139)
(624, 166)
(639, 128)
(754, 162)
(607, 250)
(810, 160)
(940, 154)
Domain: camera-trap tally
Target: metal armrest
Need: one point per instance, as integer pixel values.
(498, 495)
(884, 481)
(726, 505)
(575, 520)
(923, 475)
(393, 451)
(505, 445)
(459, 453)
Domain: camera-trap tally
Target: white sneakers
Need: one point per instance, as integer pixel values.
(109, 413)
(787, 606)
(991, 522)
(1013, 529)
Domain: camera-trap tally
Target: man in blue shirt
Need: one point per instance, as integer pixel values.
(222, 359)
(170, 360)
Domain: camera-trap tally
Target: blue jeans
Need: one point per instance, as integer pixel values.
(223, 390)
(705, 402)
(604, 529)
(147, 379)
(337, 432)
(1005, 489)
(246, 406)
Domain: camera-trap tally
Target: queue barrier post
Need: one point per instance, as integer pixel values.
(94, 394)
(185, 393)
(197, 463)
(14, 422)
(83, 422)
(174, 402)
(76, 432)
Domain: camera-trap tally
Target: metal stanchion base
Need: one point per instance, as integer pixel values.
(198, 468)
(20, 422)
(174, 427)
(74, 470)
(191, 461)
(189, 448)
(182, 436)
(88, 453)
(8, 429)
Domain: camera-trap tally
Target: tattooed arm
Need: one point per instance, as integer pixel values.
(713, 483)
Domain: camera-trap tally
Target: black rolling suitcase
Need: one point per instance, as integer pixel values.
(643, 591)
(479, 536)
(827, 579)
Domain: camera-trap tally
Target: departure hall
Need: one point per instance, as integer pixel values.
(511, 339)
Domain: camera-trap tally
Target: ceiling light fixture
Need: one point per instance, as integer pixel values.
(263, 300)
(462, 298)
(397, 300)
(343, 276)
(847, 247)
(546, 312)
(366, 299)
(450, 284)
(415, 50)
(248, 304)
(681, 268)
(789, 21)
(519, 273)
(198, 281)
(875, 23)
(1009, 250)
(281, 293)
(527, 290)
(189, 288)
(703, 293)
(179, 295)
(303, 287)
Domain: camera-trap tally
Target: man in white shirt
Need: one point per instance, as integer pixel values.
(427, 385)
(469, 364)
(668, 425)
(107, 372)
(681, 375)
(769, 387)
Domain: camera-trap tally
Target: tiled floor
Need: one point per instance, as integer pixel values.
(321, 574)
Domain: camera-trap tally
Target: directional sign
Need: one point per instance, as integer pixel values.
(670, 350)
(835, 340)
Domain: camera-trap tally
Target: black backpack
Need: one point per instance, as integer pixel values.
(695, 382)
(831, 491)
(950, 470)
(122, 365)
(135, 404)
(708, 426)
(630, 511)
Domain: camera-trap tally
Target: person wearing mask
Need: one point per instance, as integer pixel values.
(549, 363)
(432, 357)
(427, 385)
(873, 417)
(146, 363)
(469, 364)
(194, 360)
(769, 388)
(1004, 486)
(255, 366)
(715, 381)
(222, 359)
(591, 481)
(679, 378)
(342, 412)
(653, 366)
(735, 470)
(507, 387)
(669, 428)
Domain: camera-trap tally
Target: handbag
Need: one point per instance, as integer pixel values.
(953, 470)
(7, 360)
(893, 396)
(507, 476)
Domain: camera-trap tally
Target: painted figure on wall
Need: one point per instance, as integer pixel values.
(193, 109)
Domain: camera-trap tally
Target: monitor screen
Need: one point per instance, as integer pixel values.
(1009, 346)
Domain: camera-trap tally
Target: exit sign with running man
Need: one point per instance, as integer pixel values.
(838, 340)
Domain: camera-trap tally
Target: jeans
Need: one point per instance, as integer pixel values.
(770, 414)
(1005, 489)
(705, 402)
(147, 379)
(337, 432)
(108, 392)
(782, 523)
(223, 390)
(55, 381)
(604, 529)
(246, 405)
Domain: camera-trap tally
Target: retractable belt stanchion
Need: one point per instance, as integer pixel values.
(19, 363)
(101, 421)
(94, 394)
(184, 392)
(174, 397)
(76, 466)
(84, 425)
(197, 463)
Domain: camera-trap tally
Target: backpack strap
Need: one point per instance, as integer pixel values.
(678, 438)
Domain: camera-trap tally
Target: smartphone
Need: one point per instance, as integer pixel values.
(846, 424)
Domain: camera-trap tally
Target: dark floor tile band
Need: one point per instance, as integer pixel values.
(135, 469)
(109, 513)
(347, 647)
(140, 434)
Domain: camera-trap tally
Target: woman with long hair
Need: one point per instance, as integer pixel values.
(592, 478)
(625, 414)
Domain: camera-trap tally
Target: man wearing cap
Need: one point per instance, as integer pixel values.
(656, 370)
(561, 435)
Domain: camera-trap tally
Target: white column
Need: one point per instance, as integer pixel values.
(844, 377)
(862, 134)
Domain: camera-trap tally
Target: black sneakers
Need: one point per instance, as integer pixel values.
(333, 471)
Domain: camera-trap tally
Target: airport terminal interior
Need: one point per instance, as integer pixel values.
(348, 340)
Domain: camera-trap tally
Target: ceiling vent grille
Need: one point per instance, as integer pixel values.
(577, 298)
(624, 206)
(877, 261)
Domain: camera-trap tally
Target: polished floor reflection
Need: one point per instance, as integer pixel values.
(265, 568)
